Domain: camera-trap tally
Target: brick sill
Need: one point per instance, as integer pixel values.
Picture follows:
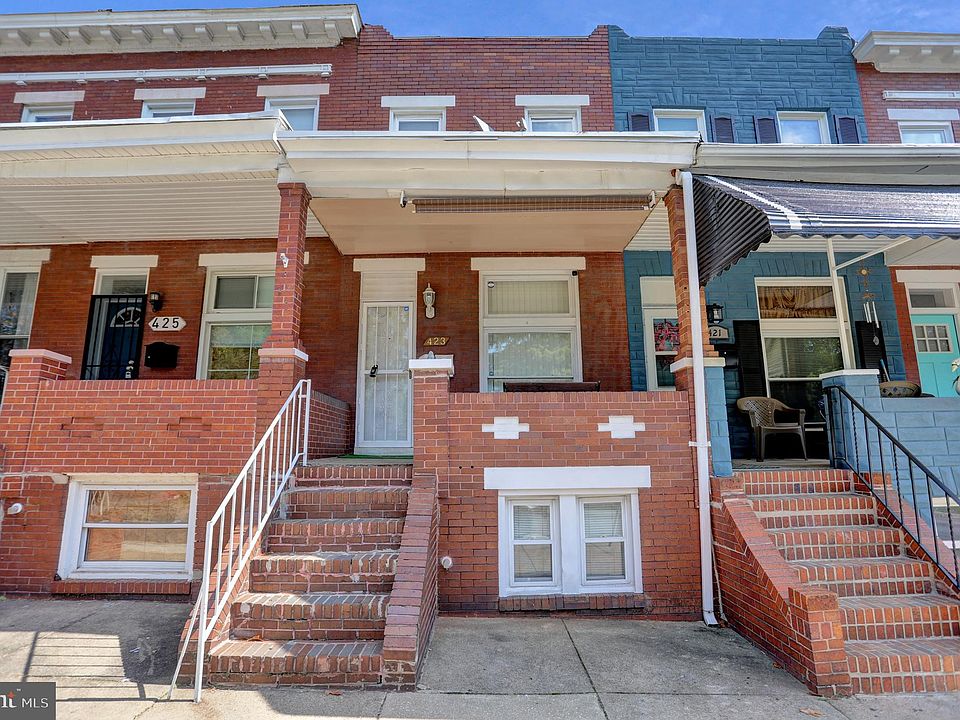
(597, 603)
(121, 588)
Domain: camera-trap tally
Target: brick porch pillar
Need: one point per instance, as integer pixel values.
(283, 361)
(431, 407)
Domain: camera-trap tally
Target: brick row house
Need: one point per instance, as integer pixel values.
(336, 330)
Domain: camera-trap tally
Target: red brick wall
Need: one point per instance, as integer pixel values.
(331, 426)
(485, 74)
(563, 432)
(880, 128)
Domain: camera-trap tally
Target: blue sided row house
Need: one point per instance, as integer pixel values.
(774, 315)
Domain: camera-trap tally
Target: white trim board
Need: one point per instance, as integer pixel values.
(29, 257)
(193, 93)
(418, 101)
(386, 266)
(124, 478)
(293, 91)
(923, 114)
(525, 264)
(242, 260)
(567, 479)
(551, 101)
(123, 262)
(928, 276)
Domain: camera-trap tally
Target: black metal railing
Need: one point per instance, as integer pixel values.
(928, 510)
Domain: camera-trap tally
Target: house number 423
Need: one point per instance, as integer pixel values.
(167, 323)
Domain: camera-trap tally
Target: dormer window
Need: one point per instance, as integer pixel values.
(418, 113)
(552, 113)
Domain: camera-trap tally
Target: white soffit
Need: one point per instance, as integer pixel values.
(654, 234)
(105, 31)
(925, 251)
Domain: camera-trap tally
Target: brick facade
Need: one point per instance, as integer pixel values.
(872, 84)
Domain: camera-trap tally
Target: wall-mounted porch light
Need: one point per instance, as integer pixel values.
(715, 313)
(156, 300)
(429, 298)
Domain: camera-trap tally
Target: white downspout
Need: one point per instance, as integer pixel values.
(839, 304)
(701, 443)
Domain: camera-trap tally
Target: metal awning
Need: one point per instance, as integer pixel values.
(734, 216)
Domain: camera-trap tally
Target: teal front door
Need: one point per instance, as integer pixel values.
(935, 336)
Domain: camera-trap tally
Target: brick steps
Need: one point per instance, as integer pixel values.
(826, 543)
(790, 482)
(814, 510)
(338, 503)
(273, 662)
(354, 535)
(921, 665)
(898, 617)
(868, 576)
(370, 572)
(337, 617)
(400, 474)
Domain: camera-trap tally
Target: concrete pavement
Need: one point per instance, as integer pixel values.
(112, 660)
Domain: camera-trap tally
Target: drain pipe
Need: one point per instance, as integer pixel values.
(702, 442)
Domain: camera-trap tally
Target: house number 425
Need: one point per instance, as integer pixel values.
(167, 323)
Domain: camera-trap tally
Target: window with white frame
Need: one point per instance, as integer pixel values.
(236, 322)
(661, 330)
(925, 133)
(803, 128)
(530, 328)
(47, 113)
(168, 108)
(680, 121)
(133, 530)
(302, 113)
(547, 120)
(418, 120)
(19, 288)
(802, 327)
(571, 542)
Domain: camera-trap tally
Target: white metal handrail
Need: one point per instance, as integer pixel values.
(233, 533)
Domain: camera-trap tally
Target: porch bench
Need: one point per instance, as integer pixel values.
(551, 386)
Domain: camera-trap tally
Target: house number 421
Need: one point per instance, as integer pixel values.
(167, 323)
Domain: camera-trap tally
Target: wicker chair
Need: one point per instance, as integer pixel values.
(762, 412)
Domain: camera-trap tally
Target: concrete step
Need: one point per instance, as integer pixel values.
(838, 543)
(327, 503)
(370, 572)
(274, 662)
(331, 617)
(879, 576)
(917, 665)
(814, 510)
(793, 482)
(899, 617)
(347, 535)
(359, 475)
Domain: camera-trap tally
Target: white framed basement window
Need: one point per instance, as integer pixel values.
(47, 113)
(168, 108)
(529, 328)
(925, 133)
(680, 121)
(805, 128)
(117, 527)
(802, 327)
(238, 308)
(302, 113)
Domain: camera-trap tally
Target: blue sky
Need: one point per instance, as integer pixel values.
(745, 18)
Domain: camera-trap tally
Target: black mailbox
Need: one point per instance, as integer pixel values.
(161, 355)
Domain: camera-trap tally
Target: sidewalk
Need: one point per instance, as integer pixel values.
(113, 659)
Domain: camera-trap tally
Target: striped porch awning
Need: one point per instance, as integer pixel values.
(734, 216)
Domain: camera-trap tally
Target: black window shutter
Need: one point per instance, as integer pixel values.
(753, 380)
(766, 128)
(847, 130)
(639, 122)
(723, 130)
(871, 349)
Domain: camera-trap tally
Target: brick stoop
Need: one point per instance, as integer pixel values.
(315, 608)
(900, 632)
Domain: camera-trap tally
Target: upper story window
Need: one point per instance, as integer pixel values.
(168, 108)
(417, 120)
(301, 113)
(47, 113)
(925, 133)
(552, 113)
(680, 121)
(803, 128)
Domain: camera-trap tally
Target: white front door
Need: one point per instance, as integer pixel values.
(384, 389)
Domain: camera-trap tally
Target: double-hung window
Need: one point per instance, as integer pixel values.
(558, 120)
(680, 121)
(47, 113)
(168, 108)
(301, 113)
(530, 328)
(418, 120)
(802, 326)
(236, 322)
(803, 128)
(925, 133)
